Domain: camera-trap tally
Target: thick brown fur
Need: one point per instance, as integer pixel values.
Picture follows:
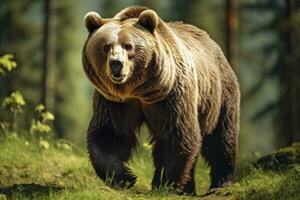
(177, 81)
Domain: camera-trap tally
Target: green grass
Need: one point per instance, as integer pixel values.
(28, 171)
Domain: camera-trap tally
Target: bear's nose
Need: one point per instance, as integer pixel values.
(116, 66)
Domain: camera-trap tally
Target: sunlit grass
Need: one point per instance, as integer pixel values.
(29, 171)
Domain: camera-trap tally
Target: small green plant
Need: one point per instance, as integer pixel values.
(7, 64)
(40, 124)
(14, 103)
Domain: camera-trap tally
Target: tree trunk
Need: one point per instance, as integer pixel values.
(232, 23)
(48, 71)
(289, 116)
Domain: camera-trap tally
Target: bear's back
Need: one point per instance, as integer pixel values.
(184, 31)
(189, 34)
(206, 53)
(199, 46)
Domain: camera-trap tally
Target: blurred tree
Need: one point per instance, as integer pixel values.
(182, 10)
(20, 22)
(232, 23)
(70, 99)
(286, 108)
(35, 31)
(110, 7)
(259, 88)
(48, 71)
(148, 3)
(289, 73)
(163, 8)
(18, 36)
(198, 13)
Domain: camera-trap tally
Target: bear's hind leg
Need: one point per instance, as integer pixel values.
(219, 148)
(170, 163)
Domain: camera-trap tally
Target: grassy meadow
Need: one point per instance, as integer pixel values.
(60, 170)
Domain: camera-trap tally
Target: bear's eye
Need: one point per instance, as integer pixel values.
(106, 48)
(128, 47)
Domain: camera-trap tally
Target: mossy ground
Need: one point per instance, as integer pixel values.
(28, 171)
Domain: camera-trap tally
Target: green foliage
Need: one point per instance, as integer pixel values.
(15, 102)
(39, 125)
(272, 39)
(22, 35)
(71, 93)
(14, 105)
(7, 64)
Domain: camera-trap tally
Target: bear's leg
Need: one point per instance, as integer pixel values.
(176, 139)
(219, 148)
(108, 152)
(111, 139)
(170, 163)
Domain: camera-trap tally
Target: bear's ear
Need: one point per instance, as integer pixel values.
(149, 19)
(92, 21)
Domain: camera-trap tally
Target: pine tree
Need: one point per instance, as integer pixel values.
(71, 97)
(19, 35)
(281, 55)
(232, 22)
(48, 70)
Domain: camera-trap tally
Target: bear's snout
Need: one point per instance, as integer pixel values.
(116, 71)
(116, 66)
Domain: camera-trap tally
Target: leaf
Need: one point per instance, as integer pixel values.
(18, 98)
(7, 64)
(14, 102)
(38, 126)
(47, 116)
(39, 108)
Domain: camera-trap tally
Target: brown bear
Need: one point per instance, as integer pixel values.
(174, 78)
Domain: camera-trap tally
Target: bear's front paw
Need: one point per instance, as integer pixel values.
(223, 182)
(216, 184)
(125, 180)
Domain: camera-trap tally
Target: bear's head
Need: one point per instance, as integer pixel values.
(119, 50)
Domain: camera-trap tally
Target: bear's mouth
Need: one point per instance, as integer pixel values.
(118, 78)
